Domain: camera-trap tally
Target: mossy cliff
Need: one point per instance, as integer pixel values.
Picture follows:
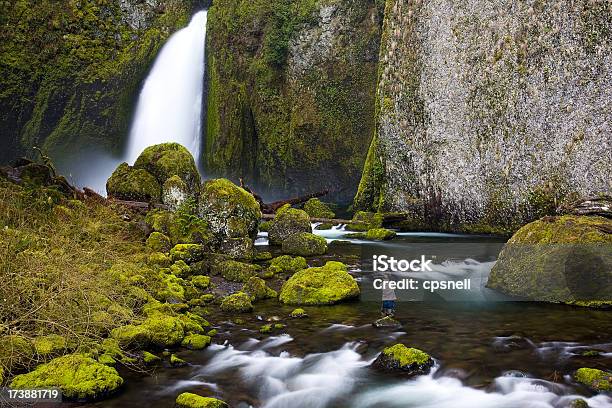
(471, 129)
(291, 92)
(71, 70)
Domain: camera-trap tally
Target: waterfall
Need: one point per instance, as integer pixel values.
(169, 107)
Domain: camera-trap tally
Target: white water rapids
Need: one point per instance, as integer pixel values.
(170, 104)
(342, 378)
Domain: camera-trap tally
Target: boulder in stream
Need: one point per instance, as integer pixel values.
(170, 159)
(190, 400)
(564, 259)
(386, 322)
(238, 302)
(305, 244)
(325, 285)
(595, 379)
(405, 360)
(287, 222)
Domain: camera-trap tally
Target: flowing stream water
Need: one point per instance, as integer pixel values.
(170, 104)
(489, 353)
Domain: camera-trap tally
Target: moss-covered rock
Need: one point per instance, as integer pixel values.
(180, 269)
(317, 209)
(264, 226)
(159, 242)
(238, 248)
(196, 341)
(263, 256)
(132, 336)
(298, 313)
(79, 377)
(188, 253)
(374, 234)
(595, 379)
(159, 259)
(288, 222)
(1, 375)
(364, 221)
(174, 192)
(305, 244)
(176, 361)
(238, 302)
(181, 226)
(132, 184)
(170, 159)
(287, 264)
(189, 400)
(165, 331)
(230, 211)
(235, 271)
(399, 358)
(257, 289)
(200, 281)
(324, 285)
(150, 358)
(563, 259)
(49, 345)
(269, 328)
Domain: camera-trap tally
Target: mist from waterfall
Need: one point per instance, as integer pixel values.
(169, 107)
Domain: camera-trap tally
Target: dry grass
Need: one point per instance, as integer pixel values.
(58, 261)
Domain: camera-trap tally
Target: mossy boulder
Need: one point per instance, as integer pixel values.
(159, 242)
(239, 302)
(298, 313)
(287, 222)
(180, 269)
(364, 221)
(263, 256)
(230, 211)
(235, 271)
(189, 400)
(386, 322)
(563, 259)
(317, 209)
(132, 184)
(595, 379)
(150, 358)
(188, 253)
(305, 244)
(79, 377)
(49, 345)
(287, 264)
(238, 248)
(374, 234)
(324, 285)
(159, 259)
(264, 226)
(196, 341)
(176, 361)
(257, 289)
(132, 336)
(182, 226)
(406, 360)
(174, 192)
(200, 281)
(170, 159)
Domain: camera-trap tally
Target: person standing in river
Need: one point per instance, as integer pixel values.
(388, 300)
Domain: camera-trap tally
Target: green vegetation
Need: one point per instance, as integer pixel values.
(239, 302)
(257, 289)
(287, 264)
(78, 376)
(325, 285)
(236, 271)
(189, 400)
(317, 209)
(406, 356)
(298, 313)
(288, 221)
(166, 160)
(132, 184)
(597, 380)
(305, 244)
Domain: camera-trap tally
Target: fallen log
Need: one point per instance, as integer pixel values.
(270, 208)
(142, 206)
(323, 220)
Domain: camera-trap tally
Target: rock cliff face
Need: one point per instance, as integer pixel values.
(71, 70)
(489, 113)
(291, 92)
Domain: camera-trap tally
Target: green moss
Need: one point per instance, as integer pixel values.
(369, 192)
(78, 377)
(188, 253)
(265, 226)
(263, 256)
(597, 380)
(174, 192)
(128, 183)
(200, 281)
(324, 226)
(298, 313)
(176, 361)
(212, 332)
(107, 360)
(189, 400)
(196, 341)
(316, 209)
(325, 285)
(1, 375)
(159, 242)
(287, 223)
(375, 234)
(49, 345)
(238, 302)
(266, 328)
(364, 221)
(170, 159)
(165, 330)
(236, 271)
(230, 211)
(406, 356)
(159, 259)
(305, 244)
(257, 289)
(288, 264)
(15, 351)
(132, 336)
(150, 358)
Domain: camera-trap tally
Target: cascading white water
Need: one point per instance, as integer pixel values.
(170, 104)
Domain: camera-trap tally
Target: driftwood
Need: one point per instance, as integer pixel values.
(270, 208)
